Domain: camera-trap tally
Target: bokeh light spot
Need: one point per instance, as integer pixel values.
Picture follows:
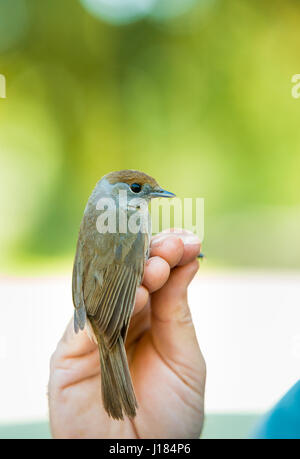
(118, 11)
(167, 9)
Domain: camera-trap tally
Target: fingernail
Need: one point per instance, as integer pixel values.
(158, 240)
(189, 238)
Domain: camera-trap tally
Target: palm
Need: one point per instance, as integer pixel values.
(169, 408)
(167, 367)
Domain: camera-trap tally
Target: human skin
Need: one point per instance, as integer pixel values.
(167, 367)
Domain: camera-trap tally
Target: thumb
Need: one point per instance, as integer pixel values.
(173, 332)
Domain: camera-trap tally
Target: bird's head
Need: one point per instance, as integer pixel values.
(137, 185)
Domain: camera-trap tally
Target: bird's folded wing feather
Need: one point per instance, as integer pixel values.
(109, 280)
(110, 304)
(77, 291)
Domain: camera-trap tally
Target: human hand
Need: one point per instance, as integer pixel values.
(166, 364)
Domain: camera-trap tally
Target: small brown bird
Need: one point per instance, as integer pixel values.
(108, 268)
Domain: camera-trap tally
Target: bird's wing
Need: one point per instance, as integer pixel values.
(111, 273)
(77, 290)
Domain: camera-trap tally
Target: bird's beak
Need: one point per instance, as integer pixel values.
(162, 194)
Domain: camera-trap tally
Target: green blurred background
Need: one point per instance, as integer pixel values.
(195, 93)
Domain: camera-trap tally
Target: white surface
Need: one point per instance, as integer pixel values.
(248, 328)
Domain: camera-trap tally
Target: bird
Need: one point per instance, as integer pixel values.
(108, 268)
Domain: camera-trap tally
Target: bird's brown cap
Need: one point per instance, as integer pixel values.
(131, 176)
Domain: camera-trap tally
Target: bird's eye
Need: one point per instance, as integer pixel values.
(136, 187)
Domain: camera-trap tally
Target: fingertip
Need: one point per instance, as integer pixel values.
(74, 344)
(170, 303)
(141, 299)
(191, 242)
(190, 252)
(167, 246)
(193, 266)
(157, 271)
(176, 246)
(185, 273)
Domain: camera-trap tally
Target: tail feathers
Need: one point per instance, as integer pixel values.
(117, 390)
(79, 318)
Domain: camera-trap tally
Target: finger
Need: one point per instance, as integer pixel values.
(172, 329)
(192, 248)
(139, 323)
(177, 247)
(173, 247)
(192, 245)
(156, 274)
(157, 271)
(170, 303)
(141, 299)
(73, 370)
(74, 345)
(167, 246)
